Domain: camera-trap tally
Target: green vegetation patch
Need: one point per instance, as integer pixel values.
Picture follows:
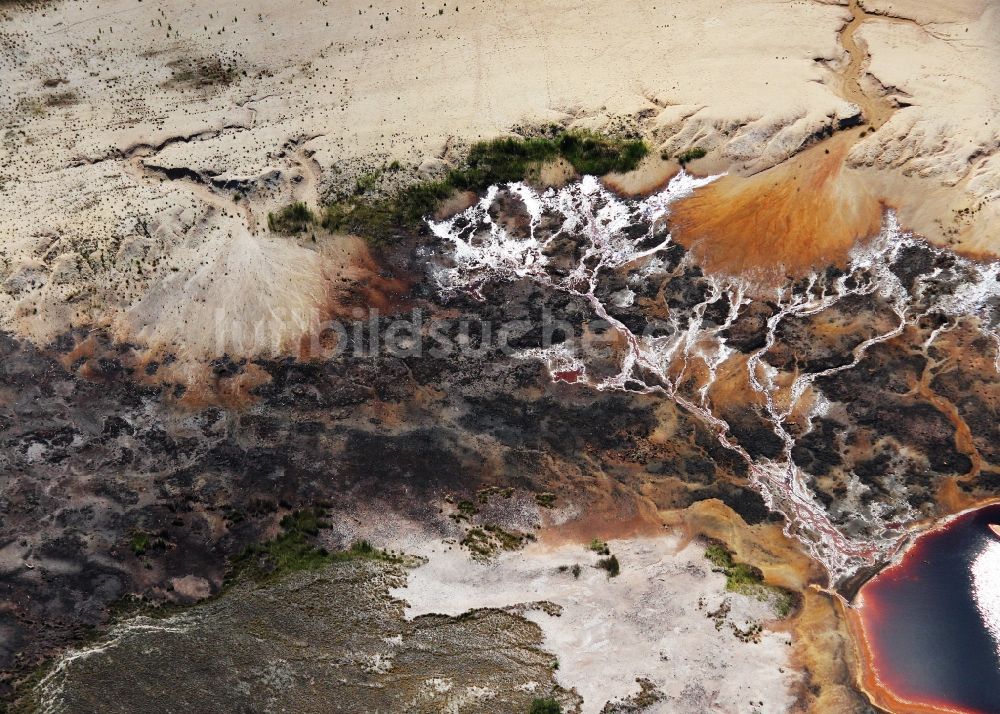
(596, 154)
(142, 542)
(719, 555)
(545, 706)
(293, 218)
(599, 546)
(746, 579)
(509, 540)
(465, 511)
(545, 500)
(479, 543)
(486, 541)
(483, 495)
(502, 160)
(691, 154)
(293, 550)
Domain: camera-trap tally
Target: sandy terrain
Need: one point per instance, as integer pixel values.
(145, 143)
(936, 158)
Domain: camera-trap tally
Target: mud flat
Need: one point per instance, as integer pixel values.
(666, 619)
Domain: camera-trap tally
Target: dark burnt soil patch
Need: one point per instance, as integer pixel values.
(819, 451)
(746, 502)
(748, 333)
(115, 489)
(891, 435)
(975, 393)
(754, 432)
(823, 341)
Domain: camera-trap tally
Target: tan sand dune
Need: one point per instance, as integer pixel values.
(201, 118)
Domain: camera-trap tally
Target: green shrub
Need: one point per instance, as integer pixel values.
(140, 542)
(468, 508)
(503, 160)
(292, 550)
(696, 152)
(599, 546)
(545, 500)
(293, 218)
(611, 565)
(545, 706)
(365, 183)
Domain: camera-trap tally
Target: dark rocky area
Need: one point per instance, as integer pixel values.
(116, 481)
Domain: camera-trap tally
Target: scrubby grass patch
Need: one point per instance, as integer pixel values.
(380, 219)
(61, 99)
(691, 154)
(513, 159)
(748, 580)
(503, 160)
(595, 154)
(293, 218)
(545, 706)
(294, 550)
(201, 72)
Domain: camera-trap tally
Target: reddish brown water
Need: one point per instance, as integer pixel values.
(932, 622)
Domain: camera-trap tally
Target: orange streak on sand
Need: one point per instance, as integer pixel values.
(800, 215)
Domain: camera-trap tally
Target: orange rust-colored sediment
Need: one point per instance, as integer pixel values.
(805, 213)
(607, 510)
